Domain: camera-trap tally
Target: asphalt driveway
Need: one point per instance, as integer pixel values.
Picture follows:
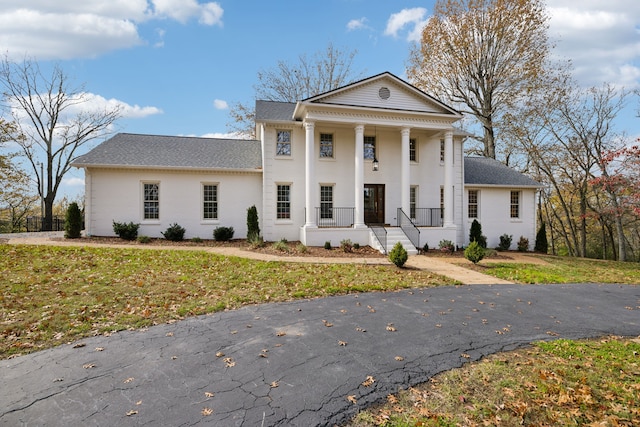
(300, 363)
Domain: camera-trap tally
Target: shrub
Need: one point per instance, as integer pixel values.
(541, 240)
(302, 248)
(425, 248)
(446, 245)
(143, 239)
(253, 226)
(223, 234)
(327, 245)
(346, 245)
(398, 255)
(475, 234)
(196, 239)
(281, 245)
(474, 252)
(73, 222)
(175, 233)
(505, 242)
(356, 246)
(256, 242)
(126, 231)
(523, 244)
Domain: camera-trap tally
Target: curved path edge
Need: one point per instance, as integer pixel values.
(300, 363)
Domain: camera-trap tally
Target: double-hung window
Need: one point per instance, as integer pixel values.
(209, 201)
(412, 150)
(283, 143)
(369, 147)
(515, 205)
(151, 203)
(283, 205)
(442, 151)
(326, 145)
(473, 203)
(326, 201)
(412, 201)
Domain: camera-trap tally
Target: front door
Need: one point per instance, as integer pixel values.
(374, 204)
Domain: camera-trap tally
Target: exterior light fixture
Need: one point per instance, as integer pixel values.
(376, 165)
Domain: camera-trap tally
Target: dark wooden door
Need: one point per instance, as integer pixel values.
(374, 204)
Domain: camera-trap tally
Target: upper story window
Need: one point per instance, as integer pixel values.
(283, 143)
(151, 204)
(369, 147)
(412, 150)
(473, 203)
(515, 205)
(209, 201)
(442, 151)
(326, 145)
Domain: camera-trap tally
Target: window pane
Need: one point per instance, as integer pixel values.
(326, 145)
(284, 205)
(369, 147)
(151, 204)
(412, 149)
(412, 202)
(210, 201)
(283, 145)
(473, 203)
(441, 150)
(326, 201)
(515, 204)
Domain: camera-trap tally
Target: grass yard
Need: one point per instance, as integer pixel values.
(51, 295)
(558, 383)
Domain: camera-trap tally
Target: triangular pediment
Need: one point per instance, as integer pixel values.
(386, 92)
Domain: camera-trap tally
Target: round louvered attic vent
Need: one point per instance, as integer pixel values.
(384, 93)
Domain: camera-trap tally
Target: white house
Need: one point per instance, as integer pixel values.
(375, 161)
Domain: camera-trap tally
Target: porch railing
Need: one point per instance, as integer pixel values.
(334, 217)
(409, 228)
(428, 217)
(381, 234)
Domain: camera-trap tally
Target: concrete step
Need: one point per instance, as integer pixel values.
(395, 235)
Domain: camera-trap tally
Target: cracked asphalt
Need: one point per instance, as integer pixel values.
(300, 363)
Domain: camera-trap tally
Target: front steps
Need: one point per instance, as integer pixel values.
(395, 235)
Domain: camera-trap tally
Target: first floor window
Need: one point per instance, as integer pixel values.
(473, 203)
(283, 143)
(369, 147)
(326, 201)
(441, 202)
(210, 201)
(283, 207)
(412, 150)
(412, 202)
(326, 145)
(151, 200)
(515, 204)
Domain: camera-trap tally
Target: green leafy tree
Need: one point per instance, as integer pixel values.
(253, 225)
(475, 234)
(541, 244)
(73, 221)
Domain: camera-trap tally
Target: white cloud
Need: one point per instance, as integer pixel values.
(223, 135)
(357, 24)
(63, 30)
(220, 104)
(73, 182)
(413, 18)
(601, 38)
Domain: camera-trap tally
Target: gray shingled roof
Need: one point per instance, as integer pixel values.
(486, 171)
(274, 111)
(134, 150)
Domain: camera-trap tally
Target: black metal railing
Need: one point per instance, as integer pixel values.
(334, 217)
(36, 223)
(409, 228)
(428, 217)
(381, 234)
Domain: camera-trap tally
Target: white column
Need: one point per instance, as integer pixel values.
(359, 177)
(310, 176)
(448, 179)
(405, 176)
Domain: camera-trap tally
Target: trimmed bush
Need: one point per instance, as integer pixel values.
(223, 234)
(175, 233)
(327, 245)
(505, 242)
(253, 226)
(475, 234)
(196, 239)
(73, 222)
(346, 245)
(126, 231)
(523, 244)
(541, 240)
(144, 239)
(446, 245)
(356, 246)
(474, 252)
(398, 255)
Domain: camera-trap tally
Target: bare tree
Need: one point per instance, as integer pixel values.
(482, 56)
(55, 120)
(324, 71)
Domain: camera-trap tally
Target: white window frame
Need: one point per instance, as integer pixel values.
(216, 202)
(143, 189)
(369, 145)
(413, 201)
(327, 143)
(281, 203)
(284, 143)
(475, 204)
(327, 203)
(442, 151)
(413, 150)
(517, 205)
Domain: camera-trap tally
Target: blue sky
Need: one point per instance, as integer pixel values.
(173, 65)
